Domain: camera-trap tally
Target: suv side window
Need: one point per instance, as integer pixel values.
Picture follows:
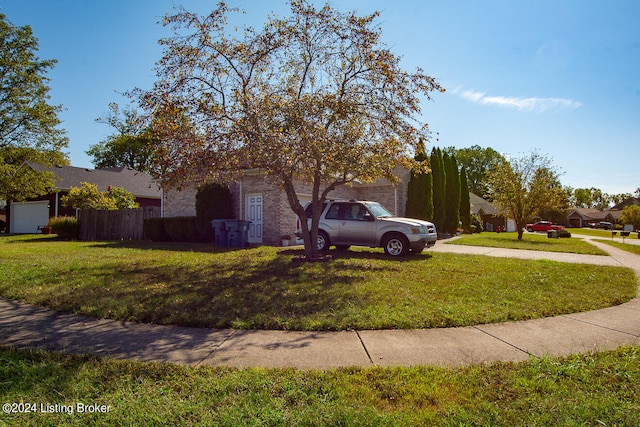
(333, 211)
(309, 210)
(354, 212)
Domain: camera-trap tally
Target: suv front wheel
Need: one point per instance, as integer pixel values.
(396, 245)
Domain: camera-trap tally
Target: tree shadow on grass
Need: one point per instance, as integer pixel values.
(164, 246)
(246, 289)
(371, 254)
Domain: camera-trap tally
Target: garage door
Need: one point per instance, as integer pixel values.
(26, 217)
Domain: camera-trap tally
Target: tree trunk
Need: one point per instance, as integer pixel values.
(520, 226)
(309, 235)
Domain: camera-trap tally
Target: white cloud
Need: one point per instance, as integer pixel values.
(538, 105)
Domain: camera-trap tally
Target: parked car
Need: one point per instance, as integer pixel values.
(363, 223)
(543, 226)
(604, 225)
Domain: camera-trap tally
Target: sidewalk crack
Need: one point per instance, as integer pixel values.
(365, 348)
(506, 342)
(216, 347)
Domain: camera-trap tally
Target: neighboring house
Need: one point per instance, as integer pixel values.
(25, 217)
(628, 202)
(582, 217)
(258, 199)
(492, 219)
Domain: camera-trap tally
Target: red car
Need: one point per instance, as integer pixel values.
(543, 226)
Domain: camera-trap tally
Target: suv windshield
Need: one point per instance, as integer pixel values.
(378, 211)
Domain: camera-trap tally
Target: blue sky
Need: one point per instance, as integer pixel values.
(559, 76)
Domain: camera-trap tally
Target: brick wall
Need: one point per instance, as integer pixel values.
(179, 201)
(277, 217)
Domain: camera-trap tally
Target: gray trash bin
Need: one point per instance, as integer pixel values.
(237, 233)
(220, 231)
(552, 234)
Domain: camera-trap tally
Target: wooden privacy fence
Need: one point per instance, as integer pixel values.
(123, 224)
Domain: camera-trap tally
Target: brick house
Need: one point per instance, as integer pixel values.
(258, 199)
(25, 217)
(492, 219)
(582, 217)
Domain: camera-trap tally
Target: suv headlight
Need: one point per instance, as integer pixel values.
(418, 230)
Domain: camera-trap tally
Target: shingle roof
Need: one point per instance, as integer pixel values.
(479, 204)
(138, 183)
(589, 214)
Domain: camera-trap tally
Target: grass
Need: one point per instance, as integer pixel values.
(634, 249)
(531, 241)
(588, 389)
(593, 232)
(261, 288)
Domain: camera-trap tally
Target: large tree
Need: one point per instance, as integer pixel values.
(18, 181)
(592, 198)
(523, 187)
(631, 215)
(28, 122)
(477, 162)
(131, 145)
(315, 96)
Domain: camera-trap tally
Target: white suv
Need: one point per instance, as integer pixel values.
(360, 223)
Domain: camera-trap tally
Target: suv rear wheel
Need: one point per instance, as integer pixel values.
(396, 245)
(323, 241)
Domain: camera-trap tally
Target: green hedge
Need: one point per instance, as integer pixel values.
(178, 229)
(154, 230)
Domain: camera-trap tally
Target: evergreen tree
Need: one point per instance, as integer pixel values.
(428, 191)
(437, 170)
(420, 193)
(465, 201)
(452, 194)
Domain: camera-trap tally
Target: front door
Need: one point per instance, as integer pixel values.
(253, 213)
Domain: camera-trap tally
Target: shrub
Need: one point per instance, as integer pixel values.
(476, 223)
(66, 227)
(89, 197)
(214, 201)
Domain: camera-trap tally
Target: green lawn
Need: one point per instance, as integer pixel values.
(591, 389)
(531, 241)
(261, 288)
(593, 232)
(634, 249)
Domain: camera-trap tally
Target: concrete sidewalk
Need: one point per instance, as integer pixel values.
(25, 326)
